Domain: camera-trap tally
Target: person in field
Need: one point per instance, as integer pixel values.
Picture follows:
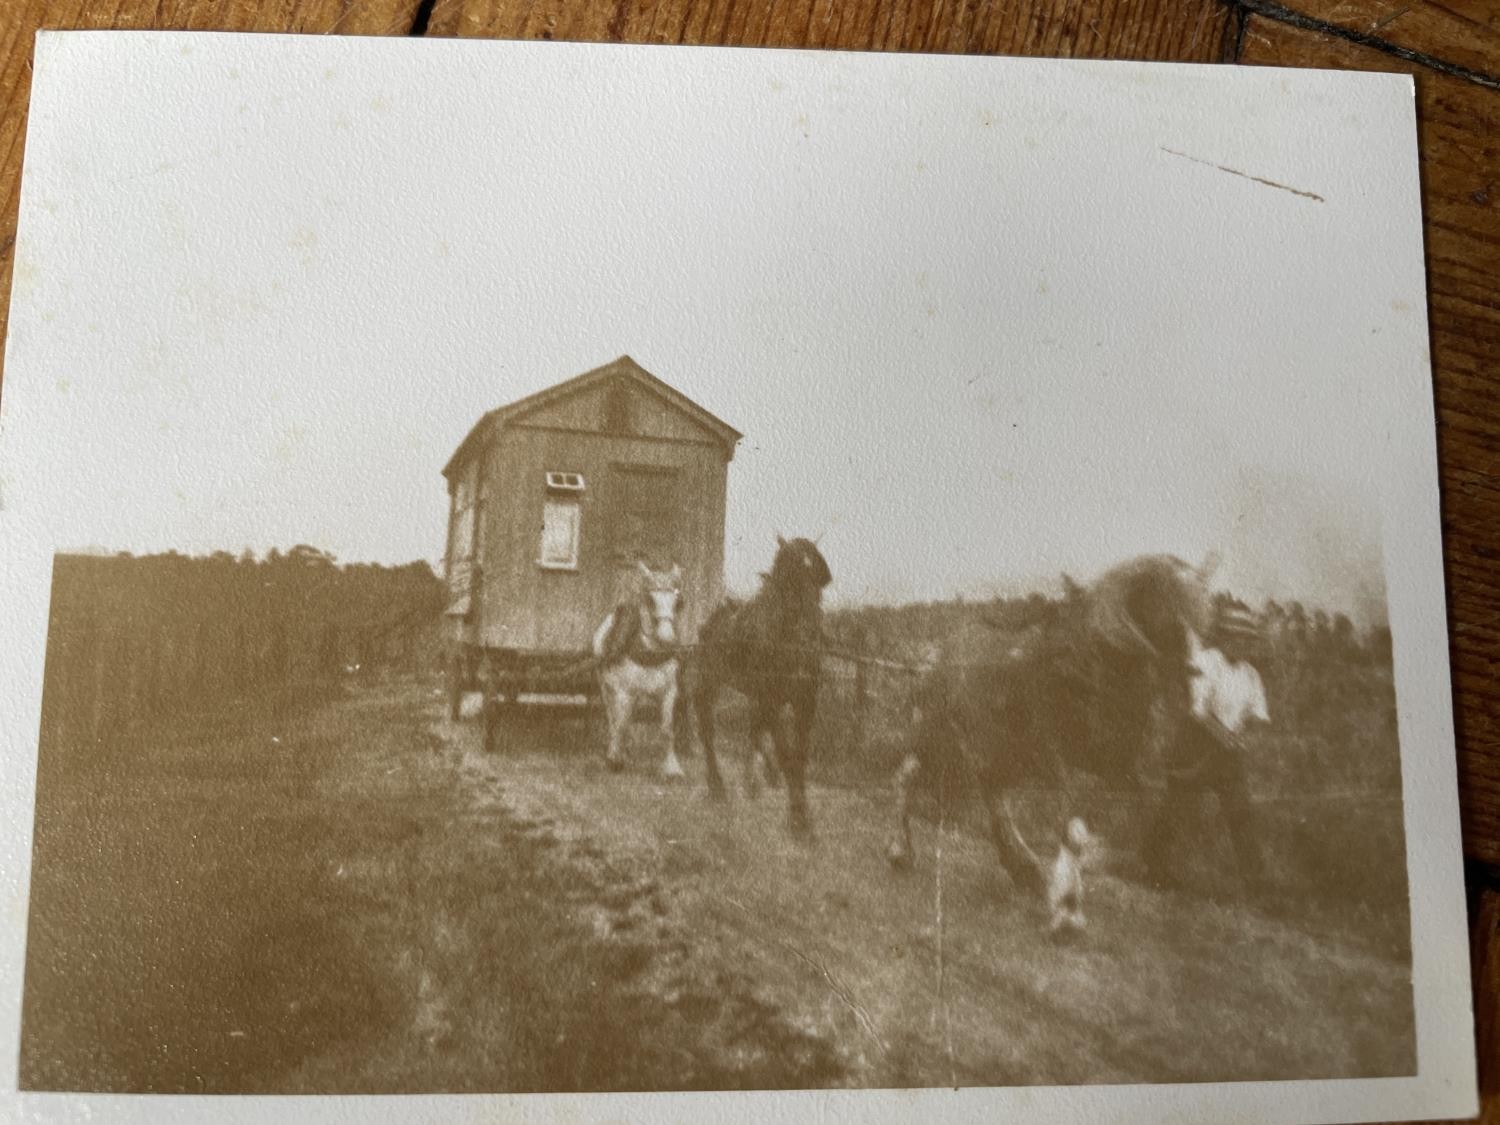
(1227, 692)
(1223, 695)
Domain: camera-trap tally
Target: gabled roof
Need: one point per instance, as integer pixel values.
(624, 367)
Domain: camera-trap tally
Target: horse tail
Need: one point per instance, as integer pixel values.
(1014, 830)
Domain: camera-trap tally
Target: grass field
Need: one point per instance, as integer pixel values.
(297, 895)
(345, 894)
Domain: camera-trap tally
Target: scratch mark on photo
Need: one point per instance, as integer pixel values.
(1245, 175)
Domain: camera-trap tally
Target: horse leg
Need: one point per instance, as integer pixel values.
(490, 711)
(763, 747)
(765, 759)
(758, 735)
(1171, 814)
(1076, 918)
(455, 687)
(900, 851)
(1189, 754)
(672, 767)
(682, 723)
(1019, 861)
(489, 705)
(617, 714)
(705, 694)
(792, 755)
(1228, 781)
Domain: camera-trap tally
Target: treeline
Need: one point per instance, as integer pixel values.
(909, 631)
(134, 638)
(1329, 685)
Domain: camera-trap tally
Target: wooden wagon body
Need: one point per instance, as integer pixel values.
(552, 501)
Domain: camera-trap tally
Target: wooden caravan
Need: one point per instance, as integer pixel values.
(553, 499)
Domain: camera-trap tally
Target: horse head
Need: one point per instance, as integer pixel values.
(1148, 607)
(661, 603)
(800, 567)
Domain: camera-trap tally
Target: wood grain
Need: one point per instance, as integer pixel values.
(1156, 29)
(1453, 49)
(1460, 34)
(1484, 949)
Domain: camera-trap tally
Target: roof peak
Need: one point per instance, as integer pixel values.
(622, 365)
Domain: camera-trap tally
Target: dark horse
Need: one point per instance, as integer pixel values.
(768, 649)
(1078, 691)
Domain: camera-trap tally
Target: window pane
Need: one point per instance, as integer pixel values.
(559, 534)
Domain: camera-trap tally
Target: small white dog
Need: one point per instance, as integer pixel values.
(1065, 880)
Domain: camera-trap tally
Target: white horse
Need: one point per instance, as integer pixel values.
(636, 649)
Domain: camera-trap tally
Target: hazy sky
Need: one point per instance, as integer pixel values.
(977, 324)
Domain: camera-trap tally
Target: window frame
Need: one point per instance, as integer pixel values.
(562, 497)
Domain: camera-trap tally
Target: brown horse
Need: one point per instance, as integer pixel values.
(768, 649)
(1077, 692)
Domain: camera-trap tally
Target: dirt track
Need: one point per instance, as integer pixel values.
(943, 976)
(356, 898)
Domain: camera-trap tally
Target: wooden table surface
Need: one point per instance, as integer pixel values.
(1452, 47)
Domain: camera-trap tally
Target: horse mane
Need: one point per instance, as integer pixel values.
(1141, 608)
(780, 627)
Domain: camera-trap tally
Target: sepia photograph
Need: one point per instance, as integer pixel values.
(879, 573)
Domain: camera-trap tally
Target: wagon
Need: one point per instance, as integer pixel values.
(552, 500)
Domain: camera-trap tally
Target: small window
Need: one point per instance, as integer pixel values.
(564, 482)
(560, 523)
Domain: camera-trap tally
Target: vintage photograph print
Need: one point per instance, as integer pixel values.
(579, 569)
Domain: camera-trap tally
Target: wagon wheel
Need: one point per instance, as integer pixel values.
(595, 719)
(455, 685)
(490, 717)
(501, 691)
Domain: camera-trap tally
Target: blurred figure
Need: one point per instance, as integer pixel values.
(1220, 695)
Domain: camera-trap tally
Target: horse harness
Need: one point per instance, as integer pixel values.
(627, 639)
